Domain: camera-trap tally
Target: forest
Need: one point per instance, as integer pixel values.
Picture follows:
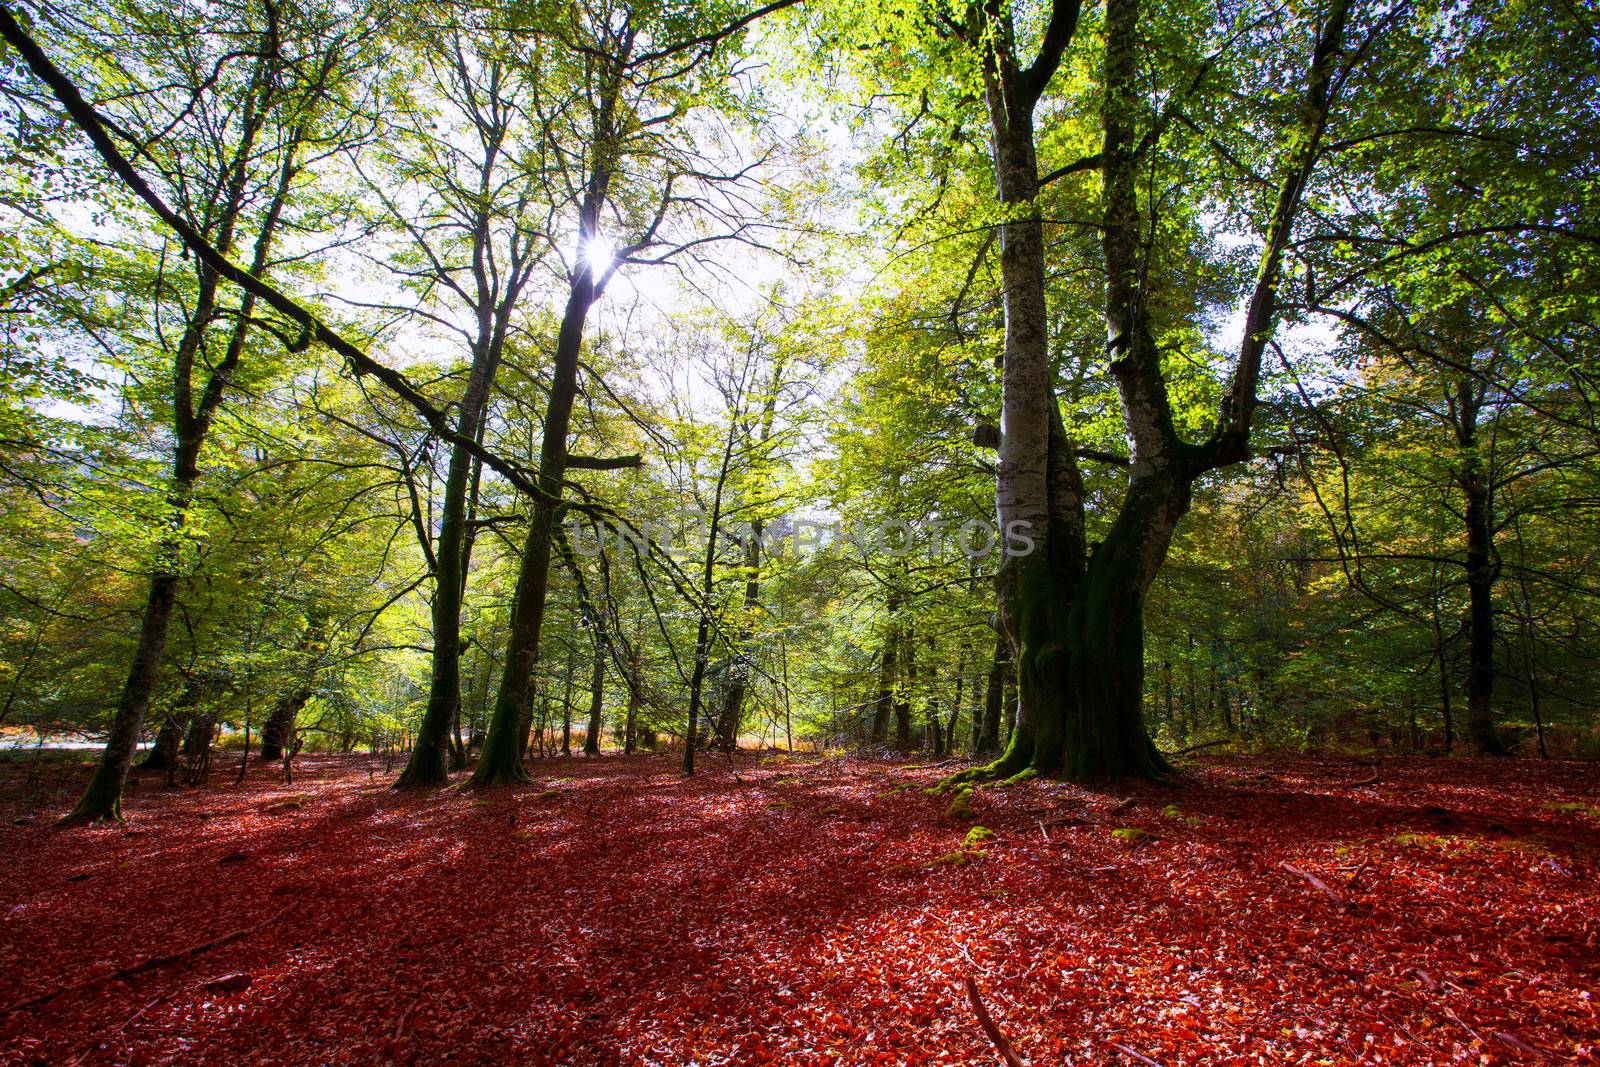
(805, 531)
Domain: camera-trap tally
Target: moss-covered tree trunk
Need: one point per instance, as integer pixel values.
(500, 762)
(630, 723)
(102, 798)
(1073, 617)
(888, 672)
(1081, 676)
(902, 701)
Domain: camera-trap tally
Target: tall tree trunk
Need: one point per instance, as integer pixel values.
(902, 703)
(499, 762)
(729, 720)
(1482, 571)
(737, 685)
(888, 671)
(192, 419)
(497, 290)
(631, 723)
(702, 639)
(597, 688)
(955, 702)
(986, 739)
(1075, 618)
(883, 705)
(566, 701)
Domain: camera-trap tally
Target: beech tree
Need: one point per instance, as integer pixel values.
(1260, 339)
(466, 137)
(641, 192)
(230, 155)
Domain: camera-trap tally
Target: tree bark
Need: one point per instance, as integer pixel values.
(163, 755)
(495, 300)
(597, 686)
(987, 736)
(1075, 618)
(192, 419)
(499, 762)
(280, 724)
(902, 703)
(1483, 569)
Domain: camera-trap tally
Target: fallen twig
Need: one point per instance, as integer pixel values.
(1319, 883)
(1197, 748)
(1141, 1057)
(1453, 1017)
(1354, 878)
(1366, 781)
(145, 965)
(1002, 1046)
(1520, 1045)
(130, 1020)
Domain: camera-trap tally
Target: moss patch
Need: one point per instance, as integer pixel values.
(958, 858)
(1133, 835)
(1574, 808)
(977, 836)
(960, 806)
(1175, 811)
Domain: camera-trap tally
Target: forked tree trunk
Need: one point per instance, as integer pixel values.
(499, 763)
(1082, 687)
(497, 290)
(731, 718)
(1074, 618)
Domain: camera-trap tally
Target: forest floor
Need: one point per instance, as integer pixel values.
(806, 911)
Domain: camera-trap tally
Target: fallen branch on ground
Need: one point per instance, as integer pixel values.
(1197, 748)
(1141, 1057)
(1354, 878)
(1320, 884)
(145, 965)
(1365, 781)
(1002, 1046)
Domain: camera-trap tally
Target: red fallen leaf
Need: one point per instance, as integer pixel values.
(658, 920)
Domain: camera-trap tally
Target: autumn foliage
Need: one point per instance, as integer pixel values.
(800, 910)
